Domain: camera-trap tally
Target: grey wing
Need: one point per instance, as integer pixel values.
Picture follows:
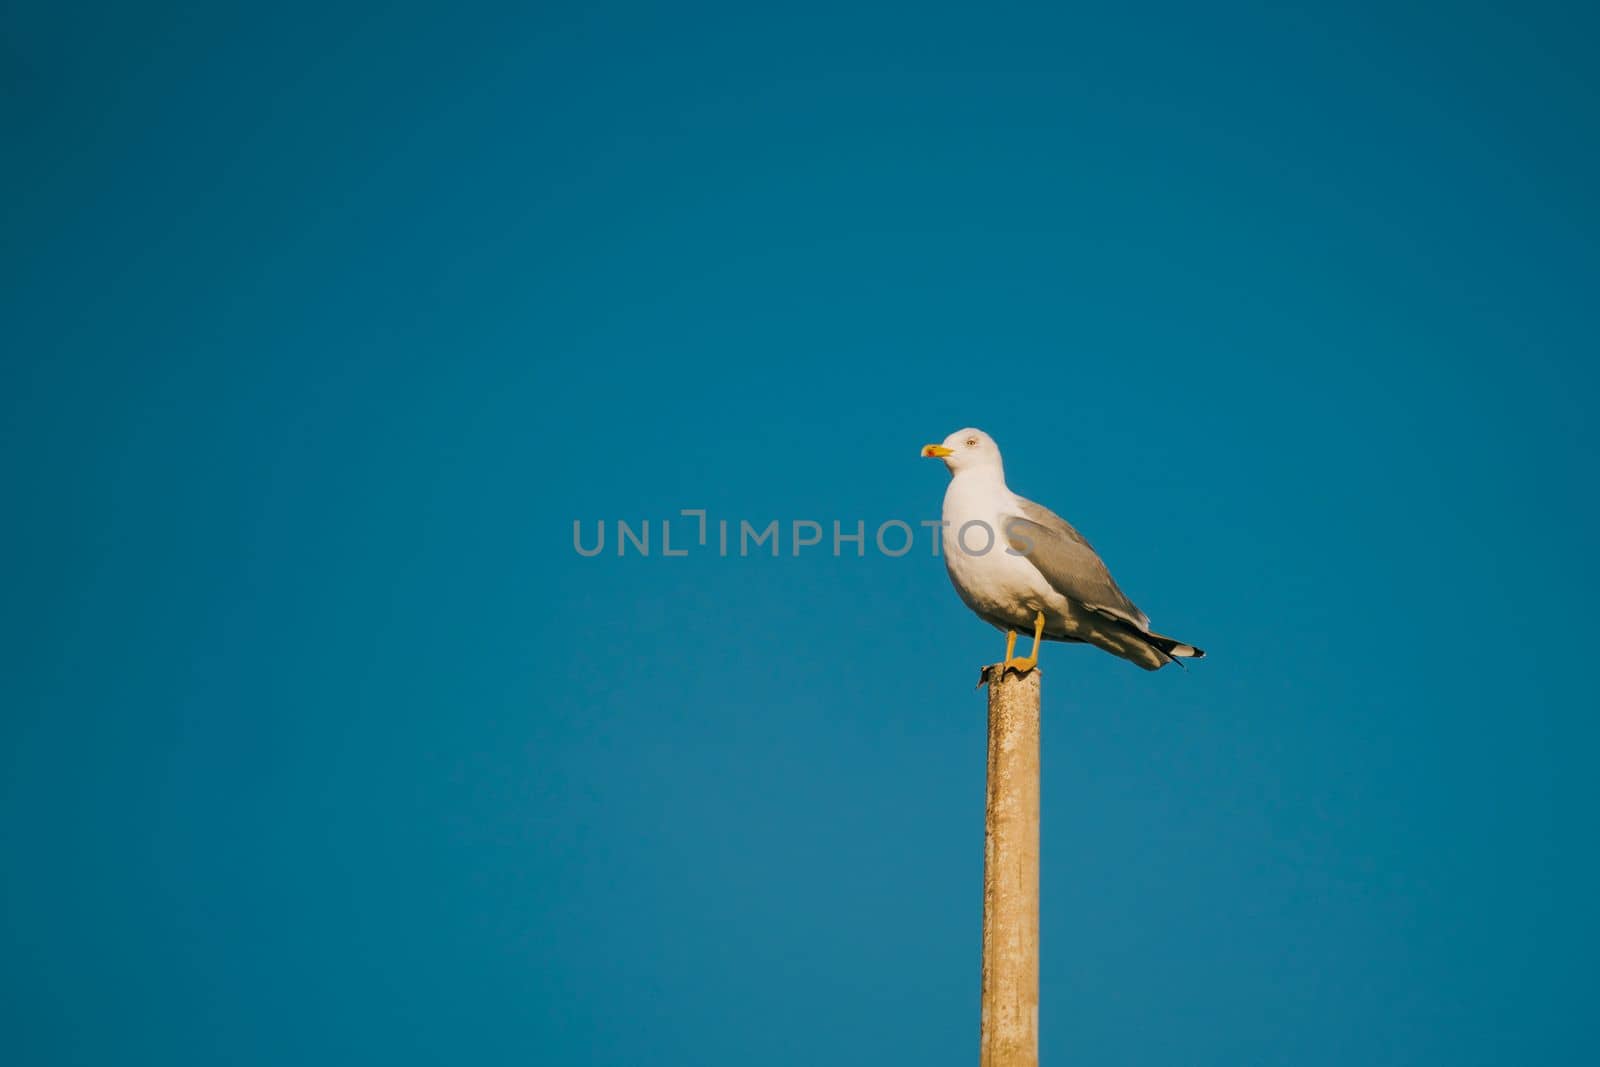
(1068, 562)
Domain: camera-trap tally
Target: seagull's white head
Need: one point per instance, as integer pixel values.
(967, 449)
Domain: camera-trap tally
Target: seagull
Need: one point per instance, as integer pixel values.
(1019, 564)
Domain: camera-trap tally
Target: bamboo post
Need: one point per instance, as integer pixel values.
(1010, 997)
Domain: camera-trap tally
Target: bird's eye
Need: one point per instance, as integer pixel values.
(971, 441)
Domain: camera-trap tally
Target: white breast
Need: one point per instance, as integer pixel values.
(1004, 588)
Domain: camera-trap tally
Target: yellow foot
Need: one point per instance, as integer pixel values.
(1023, 664)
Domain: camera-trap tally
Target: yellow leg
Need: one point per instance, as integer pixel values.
(1018, 663)
(1011, 643)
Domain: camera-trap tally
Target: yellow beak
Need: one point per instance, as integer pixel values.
(935, 451)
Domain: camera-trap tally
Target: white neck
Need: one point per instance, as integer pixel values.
(989, 475)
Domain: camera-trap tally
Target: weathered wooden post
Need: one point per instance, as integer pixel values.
(1010, 998)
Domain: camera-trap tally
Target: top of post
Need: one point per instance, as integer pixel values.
(1008, 681)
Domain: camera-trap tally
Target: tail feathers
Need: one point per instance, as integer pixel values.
(1174, 648)
(1122, 636)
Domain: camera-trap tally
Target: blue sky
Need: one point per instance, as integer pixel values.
(323, 745)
